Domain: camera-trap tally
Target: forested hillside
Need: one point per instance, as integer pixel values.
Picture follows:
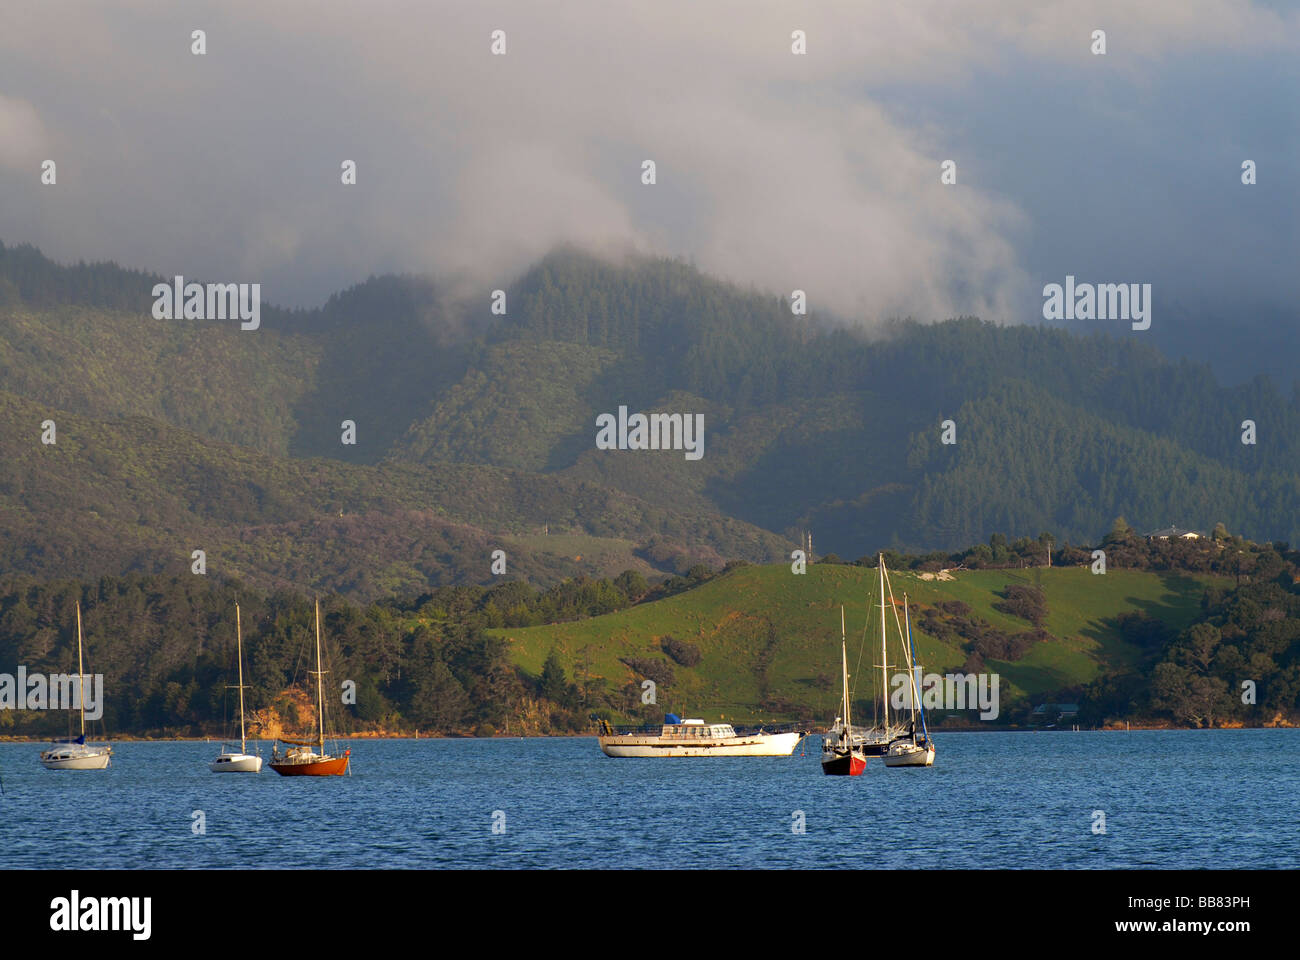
(136, 495)
(173, 432)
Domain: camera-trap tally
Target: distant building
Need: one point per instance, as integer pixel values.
(1177, 533)
(1054, 712)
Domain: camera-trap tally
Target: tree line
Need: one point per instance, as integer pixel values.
(166, 647)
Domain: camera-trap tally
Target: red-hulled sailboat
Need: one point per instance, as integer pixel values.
(300, 760)
(842, 753)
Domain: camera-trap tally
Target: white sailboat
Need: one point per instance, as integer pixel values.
(230, 761)
(75, 754)
(913, 749)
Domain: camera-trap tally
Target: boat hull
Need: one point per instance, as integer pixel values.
(85, 761)
(758, 745)
(844, 765)
(236, 763)
(872, 749)
(872, 743)
(917, 757)
(324, 767)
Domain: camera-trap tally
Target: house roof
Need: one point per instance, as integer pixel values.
(1175, 532)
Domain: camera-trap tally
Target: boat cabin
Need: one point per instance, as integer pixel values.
(697, 730)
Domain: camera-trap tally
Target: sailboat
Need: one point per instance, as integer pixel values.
(75, 754)
(911, 750)
(229, 761)
(841, 756)
(301, 760)
(875, 741)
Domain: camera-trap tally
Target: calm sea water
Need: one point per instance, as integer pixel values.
(1228, 798)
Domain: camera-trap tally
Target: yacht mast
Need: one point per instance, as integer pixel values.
(917, 706)
(239, 653)
(844, 660)
(884, 658)
(320, 680)
(911, 671)
(81, 679)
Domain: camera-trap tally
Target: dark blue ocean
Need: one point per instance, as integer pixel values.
(1222, 798)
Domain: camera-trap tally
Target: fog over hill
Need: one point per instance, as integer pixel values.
(819, 171)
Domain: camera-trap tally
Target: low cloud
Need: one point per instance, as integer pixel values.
(23, 140)
(819, 172)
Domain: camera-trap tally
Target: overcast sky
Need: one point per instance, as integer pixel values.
(820, 171)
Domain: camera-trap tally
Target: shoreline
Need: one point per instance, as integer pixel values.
(938, 731)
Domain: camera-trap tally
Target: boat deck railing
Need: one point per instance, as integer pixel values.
(742, 729)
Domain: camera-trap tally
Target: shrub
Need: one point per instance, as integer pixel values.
(1142, 630)
(699, 571)
(1025, 602)
(652, 668)
(686, 654)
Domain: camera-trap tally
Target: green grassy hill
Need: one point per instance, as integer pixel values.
(769, 639)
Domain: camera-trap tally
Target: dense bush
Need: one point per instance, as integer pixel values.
(1025, 602)
(1142, 630)
(686, 654)
(651, 668)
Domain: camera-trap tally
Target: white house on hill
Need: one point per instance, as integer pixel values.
(1175, 532)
